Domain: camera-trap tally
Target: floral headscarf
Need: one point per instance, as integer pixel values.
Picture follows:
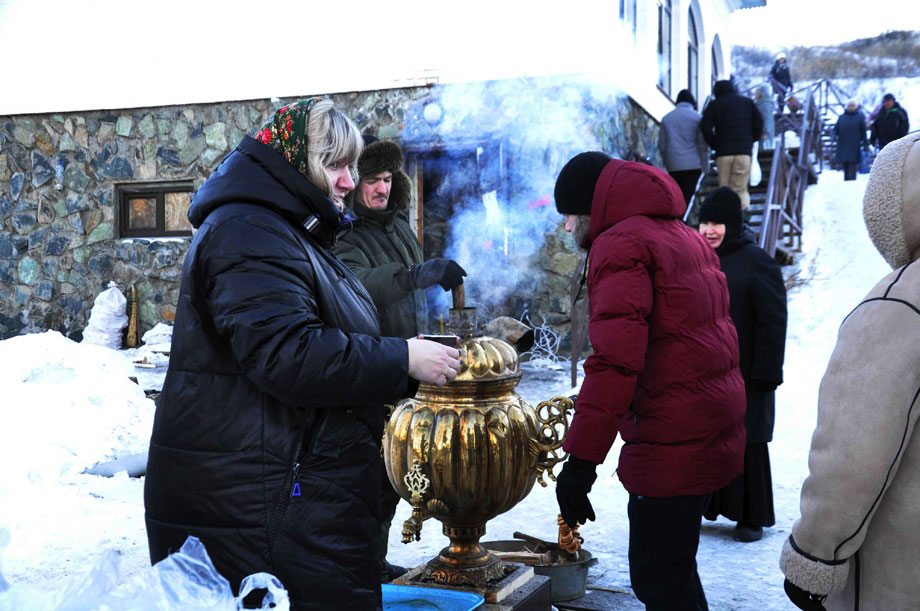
(286, 132)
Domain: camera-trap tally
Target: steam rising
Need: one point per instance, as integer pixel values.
(537, 125)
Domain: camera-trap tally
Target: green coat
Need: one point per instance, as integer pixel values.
(380, 248)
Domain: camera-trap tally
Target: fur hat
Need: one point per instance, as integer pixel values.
(574, 190)
(384, 156)
(723, 206)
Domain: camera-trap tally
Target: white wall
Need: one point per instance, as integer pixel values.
(712, 22)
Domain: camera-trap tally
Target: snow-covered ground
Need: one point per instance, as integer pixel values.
(68, 407)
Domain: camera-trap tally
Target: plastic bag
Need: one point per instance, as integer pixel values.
(865, 160)
(185, 581)
(756, 174)
(107, 318)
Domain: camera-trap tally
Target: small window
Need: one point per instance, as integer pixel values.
(154, 210)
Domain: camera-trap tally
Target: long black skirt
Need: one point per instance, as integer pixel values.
(748, 499)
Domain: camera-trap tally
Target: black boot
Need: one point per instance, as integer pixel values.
(747, 533)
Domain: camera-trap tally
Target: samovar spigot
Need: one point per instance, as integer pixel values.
(418, 485)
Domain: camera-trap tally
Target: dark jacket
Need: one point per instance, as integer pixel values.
(731, 122)
(757, 296)
(890, 124)
(850, 130)
(781, 74)
(664, 371)
(266, 438)
(380, 248)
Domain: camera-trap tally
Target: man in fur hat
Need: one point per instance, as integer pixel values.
(383, 252)
(856, 545)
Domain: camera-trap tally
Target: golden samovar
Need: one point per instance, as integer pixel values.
(469, 451)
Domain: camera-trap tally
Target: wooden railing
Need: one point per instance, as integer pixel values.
(789, 174)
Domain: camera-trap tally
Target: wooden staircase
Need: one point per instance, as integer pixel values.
(775, 215)
(754, 217)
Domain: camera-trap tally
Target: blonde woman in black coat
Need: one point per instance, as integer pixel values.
(757, 298)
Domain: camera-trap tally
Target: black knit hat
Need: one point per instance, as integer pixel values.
(575, 185)
(684, 95)
(723, 206)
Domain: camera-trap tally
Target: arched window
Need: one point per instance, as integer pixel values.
(693, 56)
(664, 45)
(628, 16)
(716, 59)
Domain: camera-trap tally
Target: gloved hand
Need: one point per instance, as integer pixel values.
(445, 272)
(572, 487)
(763, 386)
(802, 599)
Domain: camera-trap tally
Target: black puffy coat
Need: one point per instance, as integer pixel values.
(890, 124)
(757, 301)
(850, 130)
(266, 438)
(731, 123)
(380, 248)
(781, 74)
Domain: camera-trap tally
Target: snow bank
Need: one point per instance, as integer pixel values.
(66, 407)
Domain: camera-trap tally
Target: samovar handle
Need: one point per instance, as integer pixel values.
(554, 426)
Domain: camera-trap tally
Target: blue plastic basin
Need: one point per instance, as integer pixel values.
(414, 598)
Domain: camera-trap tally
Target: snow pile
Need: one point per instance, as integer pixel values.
(90, 411)
(66, 407)
(159, 338)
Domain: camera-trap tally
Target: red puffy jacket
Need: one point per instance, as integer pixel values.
(664, 372)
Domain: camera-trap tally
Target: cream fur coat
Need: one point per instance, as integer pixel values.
(858, 539)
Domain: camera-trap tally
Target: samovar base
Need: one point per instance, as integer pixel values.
(469, 576)
(465, 562)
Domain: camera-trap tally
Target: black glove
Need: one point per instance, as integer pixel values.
(802, 599)
(445, 272)
(763, 386)
(572, 487)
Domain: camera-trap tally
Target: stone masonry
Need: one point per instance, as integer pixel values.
(59, 246)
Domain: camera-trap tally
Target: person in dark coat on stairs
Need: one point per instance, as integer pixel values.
(731, 125)
(850, 131)
(781, 78)
(757, 297)
(266, 438)
(891, 122)
(380, 248)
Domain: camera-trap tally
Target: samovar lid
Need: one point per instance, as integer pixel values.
(487, 358)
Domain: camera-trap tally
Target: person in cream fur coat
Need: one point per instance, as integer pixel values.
(857, 543)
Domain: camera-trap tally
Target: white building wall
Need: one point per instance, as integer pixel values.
(116, 54)
(712, 24)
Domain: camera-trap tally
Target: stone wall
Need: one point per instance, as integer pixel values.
(58, 236)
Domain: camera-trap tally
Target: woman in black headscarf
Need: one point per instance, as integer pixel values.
(757, 297)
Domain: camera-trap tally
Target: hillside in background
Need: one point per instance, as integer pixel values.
(888, 55)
